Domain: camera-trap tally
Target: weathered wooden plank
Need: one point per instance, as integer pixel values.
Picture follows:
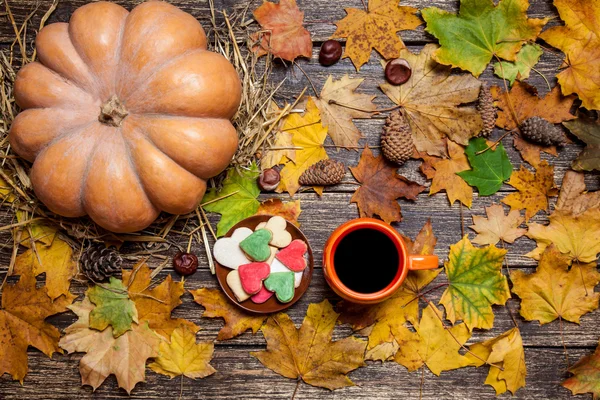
(240, 375)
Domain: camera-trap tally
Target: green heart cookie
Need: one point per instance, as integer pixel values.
(282, 283)
(256, 246)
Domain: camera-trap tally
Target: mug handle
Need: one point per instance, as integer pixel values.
(419, 262)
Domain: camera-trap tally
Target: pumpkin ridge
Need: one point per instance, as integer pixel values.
(74, 131)
(71, 82)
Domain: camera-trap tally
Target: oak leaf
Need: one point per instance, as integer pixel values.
(290, 210)
(395, 311)
(113, 308)
(339, 104)
(506, 354)
(553, 291)
(481, 31)
(307, 134)
(218, 306)
(444, 174)
(586, 129)
(282, 32)
(533, 189)
(586, 375)
(497, 226)
(579, 39)
(236, 200)
(475, 283)
(308, 353)
(432, 344)
(375, 28)
(55, 260)
(524, 62)
(489, 169)
(380, 187)
(155, 305)
(432, 101)
(23, 323)
(573, 197)
(183, 356)
(125, 356)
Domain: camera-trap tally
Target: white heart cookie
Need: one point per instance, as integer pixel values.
(281, 237)
(235, 284)
(277, 266)
(274, 251)
(227, 251)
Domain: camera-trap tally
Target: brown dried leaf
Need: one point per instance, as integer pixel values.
(497, 226)
(573, 198)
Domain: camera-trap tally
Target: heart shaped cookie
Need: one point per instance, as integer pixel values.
(282, 283)
(235, 284)
(277, 225)
(227, 250)
(256, 246)
(293, 255)
(262, 296)
(252, 276)
(277, 266)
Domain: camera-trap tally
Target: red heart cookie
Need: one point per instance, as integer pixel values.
(293, 255)
(262, 296)
(252, 275)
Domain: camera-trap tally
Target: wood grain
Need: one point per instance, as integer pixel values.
(240, 375)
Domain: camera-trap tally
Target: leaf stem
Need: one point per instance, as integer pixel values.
(543, 76)
(495, 143)
(309, 80)
(510, 105)
(296, 388)
(218, 198)
(562, 338)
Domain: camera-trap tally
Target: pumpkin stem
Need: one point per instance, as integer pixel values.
(112, 112)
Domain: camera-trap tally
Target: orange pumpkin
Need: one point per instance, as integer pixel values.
(125, 114)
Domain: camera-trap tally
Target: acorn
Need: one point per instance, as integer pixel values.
(331, 51)
(185, 263)
(398, 71)
(268, 179)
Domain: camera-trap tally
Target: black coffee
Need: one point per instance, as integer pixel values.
(366, 260)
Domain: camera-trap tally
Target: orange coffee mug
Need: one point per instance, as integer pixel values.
(406, 261)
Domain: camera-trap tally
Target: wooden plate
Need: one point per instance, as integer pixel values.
(272, 305)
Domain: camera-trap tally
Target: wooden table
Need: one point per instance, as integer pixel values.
(242, 376)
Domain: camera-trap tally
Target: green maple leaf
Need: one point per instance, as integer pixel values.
(588, 130)
(113, 307)
(238, 206)
(475, 283)
(489, 169)
(522, 66)
(481, 31)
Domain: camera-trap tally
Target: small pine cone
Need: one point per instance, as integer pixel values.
(99, 262)
(396, 138)
(323, 173)
(538, 130)
(487, 110)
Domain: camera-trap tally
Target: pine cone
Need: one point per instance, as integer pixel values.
(396, 138)
(538, 130)
(487, 110)
(323, 173)
(99, 262)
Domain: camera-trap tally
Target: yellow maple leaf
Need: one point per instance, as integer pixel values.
(376, 29)
(443, 171)
(555, 291)
(433, 102)
(339, 103)
(155, 305)
(55, 260)
(308, 135)
(125, 356)
(23, 323)
(432, 344)
(183, 356)
(283, 151)
(217, 305)
(308, 353)
(533, 189)
(579, 39)
(506, 354)
(6, 192)
(497, 226)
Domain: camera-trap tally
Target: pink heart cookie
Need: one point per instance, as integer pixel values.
(252, 275)
(262, 296)
(293, 255)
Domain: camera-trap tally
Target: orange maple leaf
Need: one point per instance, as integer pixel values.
(375, 29)
(289, 210)
(380, 187)
(284, 35)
